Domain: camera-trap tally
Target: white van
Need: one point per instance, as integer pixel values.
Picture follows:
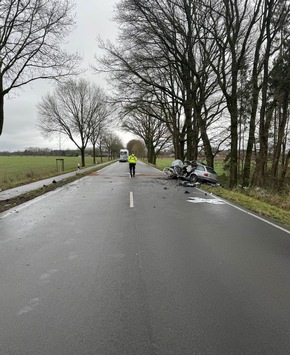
(124, 153)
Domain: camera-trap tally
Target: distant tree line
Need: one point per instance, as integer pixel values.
(109, 150)
(35, 151)
(206, 75)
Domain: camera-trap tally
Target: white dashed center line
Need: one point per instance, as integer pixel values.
(131, 200)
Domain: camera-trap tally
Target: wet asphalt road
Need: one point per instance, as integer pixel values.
(111, 265)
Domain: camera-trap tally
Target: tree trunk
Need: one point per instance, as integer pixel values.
(281, 133)
(252, 128)
(189, 131)
(250, 145)
(265, 121)
(150, 152)
(263, 137)
(83, 156)
(178, 143)
(206, 143)
(94, 153)
(232, 102)
(1, 105)
(284, 170)
(234, 152)
(181, 149)
(262, 158)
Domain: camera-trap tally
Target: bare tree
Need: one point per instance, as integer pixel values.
(230, 24)
(73, 110)
(276, 28)
(112, 144)
(161, 55)
(102, 120)
(245, 35)
(31, 33)
(280, 85)
(152, 130)
(137, 147)
(196, 57)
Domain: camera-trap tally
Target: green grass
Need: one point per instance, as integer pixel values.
(269, 206)
(19, 170)
(162, 163)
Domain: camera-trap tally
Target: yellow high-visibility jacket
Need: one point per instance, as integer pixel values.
(132, 158)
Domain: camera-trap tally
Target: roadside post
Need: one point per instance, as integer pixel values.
(59, 165)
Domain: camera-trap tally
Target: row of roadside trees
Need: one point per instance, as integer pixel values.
(208, 75)
(196, 74)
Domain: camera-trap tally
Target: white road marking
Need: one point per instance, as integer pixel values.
(47, 275)
(131, 200)
(205, 200)
(32, 304)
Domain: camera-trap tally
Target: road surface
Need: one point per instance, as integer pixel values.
(111, 265)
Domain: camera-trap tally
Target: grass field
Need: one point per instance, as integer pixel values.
(19, 170)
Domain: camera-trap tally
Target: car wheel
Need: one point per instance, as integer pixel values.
(177, 170)
(193, 178)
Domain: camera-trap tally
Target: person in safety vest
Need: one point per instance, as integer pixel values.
(132, 159)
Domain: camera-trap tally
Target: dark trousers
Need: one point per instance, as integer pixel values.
(132, 169)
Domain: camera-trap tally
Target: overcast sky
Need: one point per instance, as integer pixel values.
(20, 132)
